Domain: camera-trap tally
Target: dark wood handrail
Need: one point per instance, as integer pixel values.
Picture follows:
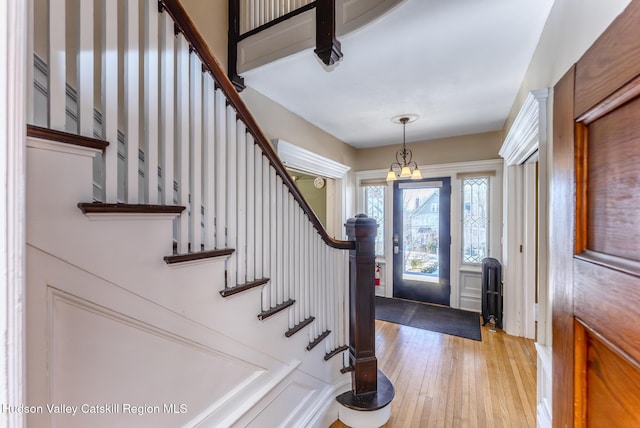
(195, 39)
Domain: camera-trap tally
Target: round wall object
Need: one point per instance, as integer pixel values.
(318, 183)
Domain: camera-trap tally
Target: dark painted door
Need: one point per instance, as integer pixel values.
(422, 240)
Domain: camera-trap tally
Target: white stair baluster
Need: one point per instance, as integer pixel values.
(84, 65)
(182, 141)
(314, 302)
(232, 194)
(276, 296)
(345, 298)
(321, 281)
(221, 169)
(297, 262)
(333, 257)
(167, 108)
(250, 198)
(57, 65)
(132, 99)
(293, 237)
(266, 234)
(241, 194)
(195, 162)
(208, 157)
(286, 283)
(315, 282)
(259, 212)
(305, 263)
(110, 98)
(151, 101)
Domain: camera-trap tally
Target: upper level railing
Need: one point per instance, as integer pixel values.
(142, 78)
(256, 13)
(249, 17)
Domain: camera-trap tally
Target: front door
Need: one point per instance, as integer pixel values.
(595, 264)
(421, 240)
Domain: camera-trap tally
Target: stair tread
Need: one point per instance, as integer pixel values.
(296, 328)
(274, 310)
(230, 291)
(99, 207)
(198, 255)
(319, 339)
(66, 137)
(335, 352)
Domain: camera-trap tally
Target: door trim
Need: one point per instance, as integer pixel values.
(526, 140)
(13, 75)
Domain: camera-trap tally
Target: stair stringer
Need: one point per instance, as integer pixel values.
(123, 258)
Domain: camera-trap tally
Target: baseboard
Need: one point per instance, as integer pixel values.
(325, 412)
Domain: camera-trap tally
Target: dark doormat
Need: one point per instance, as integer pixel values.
(429, 317)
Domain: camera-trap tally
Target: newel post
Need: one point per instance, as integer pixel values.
(371, 390)
(362, 335)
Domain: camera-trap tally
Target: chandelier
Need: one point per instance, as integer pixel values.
(404, 167)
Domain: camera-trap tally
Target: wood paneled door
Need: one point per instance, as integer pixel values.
(596, 263)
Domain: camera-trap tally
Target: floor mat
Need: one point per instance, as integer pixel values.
(429, 317)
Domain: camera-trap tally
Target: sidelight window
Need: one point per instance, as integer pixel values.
(475, 219)
(374, 208)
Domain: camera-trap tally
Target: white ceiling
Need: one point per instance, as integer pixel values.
(457, 64)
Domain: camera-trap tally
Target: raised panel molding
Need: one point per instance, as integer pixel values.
(471, 291)
(91, 345)
(92, 341)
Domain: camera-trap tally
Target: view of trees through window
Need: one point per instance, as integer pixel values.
(475, 219)
(421, 234)
(374, 208)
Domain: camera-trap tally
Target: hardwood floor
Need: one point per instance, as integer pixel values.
(447, 381)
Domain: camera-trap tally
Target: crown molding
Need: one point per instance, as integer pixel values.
(301, 159)
(523, 137)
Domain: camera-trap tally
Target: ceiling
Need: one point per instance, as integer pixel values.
(457, 64)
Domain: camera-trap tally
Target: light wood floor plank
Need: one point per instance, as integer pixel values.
(447, 381)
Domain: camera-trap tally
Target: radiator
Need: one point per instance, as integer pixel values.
(492, 292)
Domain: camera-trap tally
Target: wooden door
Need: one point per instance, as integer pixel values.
(595, 268)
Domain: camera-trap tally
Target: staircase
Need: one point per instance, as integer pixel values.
(177, 277)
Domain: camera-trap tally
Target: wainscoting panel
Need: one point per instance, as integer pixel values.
(471, 290)
(118, 359)
(140, 368)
